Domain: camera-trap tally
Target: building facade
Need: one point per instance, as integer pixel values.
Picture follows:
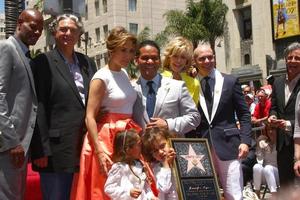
(250, 48)
(102, 15)
(2, 26)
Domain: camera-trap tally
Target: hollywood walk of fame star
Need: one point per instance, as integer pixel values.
(193, 159)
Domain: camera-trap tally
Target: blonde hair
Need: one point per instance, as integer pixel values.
(118, 37)
(178, 46)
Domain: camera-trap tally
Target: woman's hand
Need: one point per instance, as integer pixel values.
(105, 162)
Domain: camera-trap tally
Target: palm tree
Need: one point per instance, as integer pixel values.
(202, 20)
(11, 15)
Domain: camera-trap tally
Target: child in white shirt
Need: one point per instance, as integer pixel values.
(157, 151)
(127, 179)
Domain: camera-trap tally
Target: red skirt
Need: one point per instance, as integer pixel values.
(89, 183)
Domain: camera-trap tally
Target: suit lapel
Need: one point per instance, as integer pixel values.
(142, 102)
(219, 80)
(64, 70)
(163, 89)
(281, 93)
(294, 93)
(84, 69)
(25, 62)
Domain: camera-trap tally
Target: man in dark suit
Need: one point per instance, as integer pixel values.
(62, 81)
(18, 104)
(282, 114)
(220, 99)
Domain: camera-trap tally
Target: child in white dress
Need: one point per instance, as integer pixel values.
(266, 168)
(156, 150)
(127, 179)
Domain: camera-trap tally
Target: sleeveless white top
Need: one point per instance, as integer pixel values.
(119, 95)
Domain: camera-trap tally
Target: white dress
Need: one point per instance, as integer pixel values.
(165, 182)
(121, 180)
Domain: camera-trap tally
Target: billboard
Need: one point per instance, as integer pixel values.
(285, 18)
(56, 7)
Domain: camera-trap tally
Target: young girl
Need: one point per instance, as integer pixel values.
(127, 178)
(156, 150)
(266, 168)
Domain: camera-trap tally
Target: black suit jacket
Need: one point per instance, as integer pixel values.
(282, 111)
(61, 112)
(285, 142)
(222, 131)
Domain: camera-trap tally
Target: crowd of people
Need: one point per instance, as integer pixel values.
(96, 134)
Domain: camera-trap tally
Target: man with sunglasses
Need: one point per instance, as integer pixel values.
(221, 98)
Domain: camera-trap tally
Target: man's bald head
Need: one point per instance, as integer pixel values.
(29, 26)
(204, 59)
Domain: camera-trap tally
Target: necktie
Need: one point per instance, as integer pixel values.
(28, 55)
(207, 93)
(151, 98)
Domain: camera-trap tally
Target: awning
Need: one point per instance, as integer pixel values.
(280, 68)
(247, 73)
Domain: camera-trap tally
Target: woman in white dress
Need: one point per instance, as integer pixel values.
(110, 89)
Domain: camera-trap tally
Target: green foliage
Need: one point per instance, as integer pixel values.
(39, 5)
(202, 20)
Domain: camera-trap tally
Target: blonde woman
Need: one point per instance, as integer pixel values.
(177, 60)
(109, 88)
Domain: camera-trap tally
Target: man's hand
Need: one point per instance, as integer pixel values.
(297, 168)
(41, 162)
(157, 122)
(17, 156)
(278, 123)
(243, 151)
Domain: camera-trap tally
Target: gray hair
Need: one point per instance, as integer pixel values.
(54, 24)
(290, 48)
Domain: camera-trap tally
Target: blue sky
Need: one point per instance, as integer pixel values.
(1, 6)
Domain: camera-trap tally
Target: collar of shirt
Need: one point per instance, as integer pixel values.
(22, 45)
(76, 62)
(292, 82)
(155, 84)
(211, 75)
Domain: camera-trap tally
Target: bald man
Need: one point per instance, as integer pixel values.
(220, 99)
(18, 104)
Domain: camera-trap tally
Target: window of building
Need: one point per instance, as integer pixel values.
(97, 8)
(246, 59)
(104, 3)
(105, 56)
(97, 31)
(98, 60)
(86, 12)
(246, 24)
(105, 30)
(133, 28)
(132, 5)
